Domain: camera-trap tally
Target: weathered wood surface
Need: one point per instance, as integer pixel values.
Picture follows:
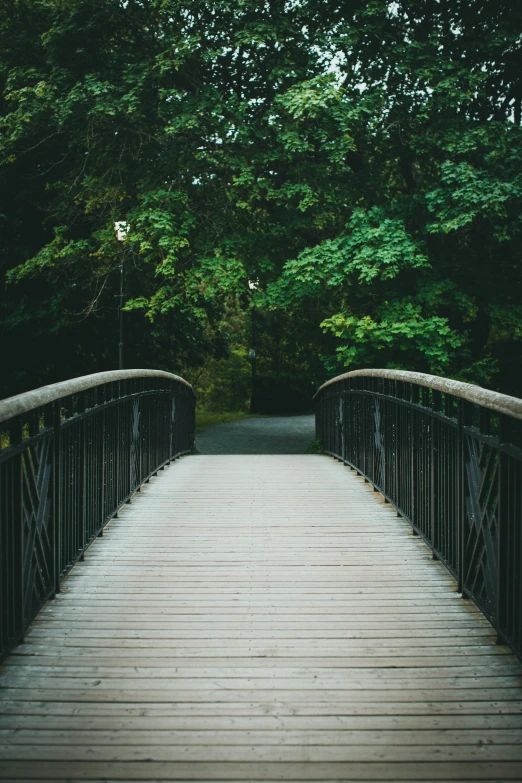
(260, 618)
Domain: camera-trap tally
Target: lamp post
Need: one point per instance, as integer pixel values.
(252, 350)
(121, 229)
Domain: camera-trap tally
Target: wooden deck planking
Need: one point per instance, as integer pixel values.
(260, 618)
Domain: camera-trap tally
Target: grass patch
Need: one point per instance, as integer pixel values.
(315, 447)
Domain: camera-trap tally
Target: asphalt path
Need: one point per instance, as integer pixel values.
(273, 435)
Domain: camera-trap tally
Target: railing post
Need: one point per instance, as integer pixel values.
(82, 435)
(504, 534)
(460, 496)
(17, 565)
(411, 450)
(396, 446)
(435, 504)
(57, 491)
(464, 419)
(103, 466)
(172, 425)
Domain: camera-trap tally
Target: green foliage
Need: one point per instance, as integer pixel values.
(467, 194)
(315, 447)
(360, 161)
(373, 248)
(403, 333)
(223, 384)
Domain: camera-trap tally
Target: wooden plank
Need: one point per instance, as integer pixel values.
(120, 738)
(270, 772)
(454, 725)
(257, 648)
(275, 709)
(374, 629)
(452, 636)
(309, 671)
(333, 696)
(352, 686)
(129, 656)
(389, 753)
(306, 675)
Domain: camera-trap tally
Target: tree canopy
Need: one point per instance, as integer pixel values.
(360, 161)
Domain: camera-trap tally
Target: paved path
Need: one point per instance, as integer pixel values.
(273, 435)
(253, 618)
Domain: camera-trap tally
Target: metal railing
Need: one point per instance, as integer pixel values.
(448, 456)
(71, 454)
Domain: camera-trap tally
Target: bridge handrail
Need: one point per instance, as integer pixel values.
(495, 401)
(37, 398)
(448, 456)
(71, 454)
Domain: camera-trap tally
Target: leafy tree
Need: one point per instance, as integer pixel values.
(418, 275)
(359, 160)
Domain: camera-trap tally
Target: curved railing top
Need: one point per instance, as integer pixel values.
(37, 398)
(501, 403)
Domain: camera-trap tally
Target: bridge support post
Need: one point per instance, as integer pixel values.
(56, 521)
(505, 534)
(17, 532)
(460, 495)
(464, 419)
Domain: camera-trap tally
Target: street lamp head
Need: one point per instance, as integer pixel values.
(121, 227)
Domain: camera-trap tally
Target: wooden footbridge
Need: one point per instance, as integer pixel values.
(354, 616)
